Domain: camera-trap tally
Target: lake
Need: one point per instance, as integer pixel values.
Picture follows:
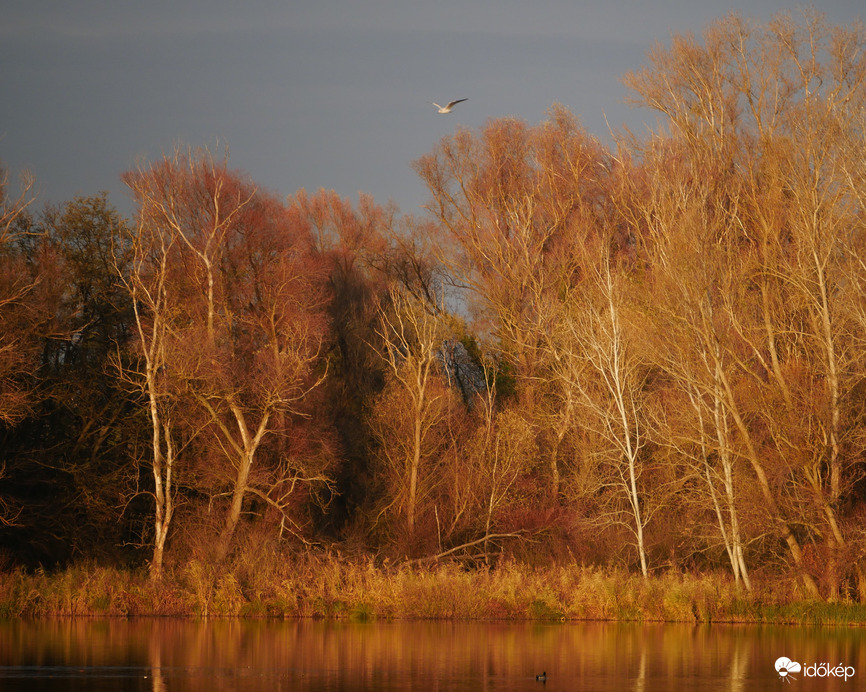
(172, 655)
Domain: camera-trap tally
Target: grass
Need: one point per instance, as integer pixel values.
(323, 586)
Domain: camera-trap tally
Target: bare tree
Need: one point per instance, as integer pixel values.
(17, 290)
(411, 341)
(767, 107)
(147, 281)
(247, 324)
(513, 201)
(598, 362)
(506, 454)
(669, 203)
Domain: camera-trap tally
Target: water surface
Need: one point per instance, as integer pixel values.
(169, 655)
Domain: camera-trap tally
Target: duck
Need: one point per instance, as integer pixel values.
(542, 677)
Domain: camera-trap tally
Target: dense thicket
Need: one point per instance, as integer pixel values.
(650, 355)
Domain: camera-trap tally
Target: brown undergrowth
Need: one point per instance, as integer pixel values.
(329, 586)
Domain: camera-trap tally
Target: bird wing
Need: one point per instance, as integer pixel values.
(454, 103)
(436, 104)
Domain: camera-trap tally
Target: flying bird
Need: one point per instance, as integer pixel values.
(447, 108)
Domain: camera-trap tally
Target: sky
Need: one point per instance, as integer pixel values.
(314, 93)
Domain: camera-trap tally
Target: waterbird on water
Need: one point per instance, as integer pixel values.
(542, 677)
(447, 108)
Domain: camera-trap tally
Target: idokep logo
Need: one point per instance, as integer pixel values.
(785, 667)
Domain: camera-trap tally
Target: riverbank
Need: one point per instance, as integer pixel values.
(329, 587)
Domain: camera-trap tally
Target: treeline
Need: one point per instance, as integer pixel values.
(650, 355)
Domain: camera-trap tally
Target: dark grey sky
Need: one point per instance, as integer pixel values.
(313, 93)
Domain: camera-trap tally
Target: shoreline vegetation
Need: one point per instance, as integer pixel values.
(328, 587)
(590, 382)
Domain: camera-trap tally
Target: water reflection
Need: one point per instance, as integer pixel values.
(175, 655)
(739, 666)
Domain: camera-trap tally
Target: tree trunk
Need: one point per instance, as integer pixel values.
(241, 483)
(413, 474)
(783, 527)
(164, 502)
(234, 513)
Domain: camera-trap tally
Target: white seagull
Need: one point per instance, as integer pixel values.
(447, 108)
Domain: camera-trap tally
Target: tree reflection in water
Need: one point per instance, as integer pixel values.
(165, 655)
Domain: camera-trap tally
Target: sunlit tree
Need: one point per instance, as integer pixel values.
(767, 110)
(246, 325)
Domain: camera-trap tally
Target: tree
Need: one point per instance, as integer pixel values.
(351, 244)
(669, 201)
(506, 448)
(146, 279)
(67, 455)
(411, 342)
(514, 202)
(17, 288)
(247, 325)
(769, 109)
(598, 362)
(87, 419)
